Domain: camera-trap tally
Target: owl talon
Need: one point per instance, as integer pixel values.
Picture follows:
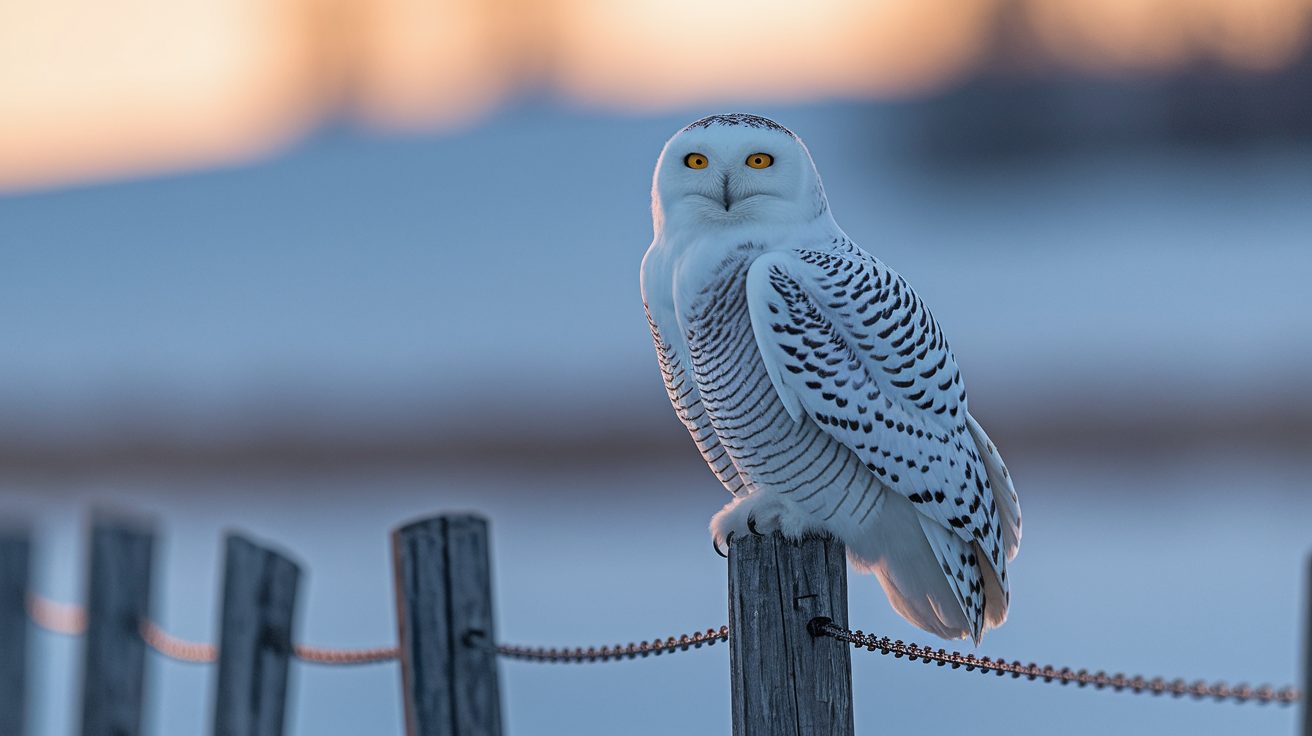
(751, 526)
(727, 541)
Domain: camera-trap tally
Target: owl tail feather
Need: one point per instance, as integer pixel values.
(910, 566)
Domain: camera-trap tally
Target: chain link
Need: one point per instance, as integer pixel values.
(631, 650)
(1198, 689)
(326, 655)
(71, 620)
(175, 648)
(68, 619)
(61, 618)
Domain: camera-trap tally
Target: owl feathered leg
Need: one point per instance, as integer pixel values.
(740, 516)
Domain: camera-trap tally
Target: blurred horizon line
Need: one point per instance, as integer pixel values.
(618, 437)
(91, 101)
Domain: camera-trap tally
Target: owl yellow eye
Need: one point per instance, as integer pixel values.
(760, 160)
(695, 161)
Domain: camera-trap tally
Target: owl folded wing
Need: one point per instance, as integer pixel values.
(850, 346)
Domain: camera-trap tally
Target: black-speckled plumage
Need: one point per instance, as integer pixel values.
(817, 385)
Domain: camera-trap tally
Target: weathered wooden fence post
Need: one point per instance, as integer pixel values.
(255, 639)
(15, 563)
(785, 681)
(118, 601)
(445, 629)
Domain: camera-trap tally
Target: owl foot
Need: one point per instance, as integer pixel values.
(751, 514)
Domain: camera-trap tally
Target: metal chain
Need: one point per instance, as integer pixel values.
(61, 618)
(631, 650)
(174, 648)
(326, 655)
(71, 620)
(68, 619)
(1198, 689)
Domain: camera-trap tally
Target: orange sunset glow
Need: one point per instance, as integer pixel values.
(93, 90)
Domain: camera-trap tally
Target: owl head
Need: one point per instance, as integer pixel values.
(735, 169)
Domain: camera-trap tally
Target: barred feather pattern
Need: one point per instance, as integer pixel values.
(815, 382)
(869, 363)
(796, 460)
(686, 399)
(884, 404)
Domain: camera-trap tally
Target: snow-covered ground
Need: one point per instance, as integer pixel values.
(1190, 566)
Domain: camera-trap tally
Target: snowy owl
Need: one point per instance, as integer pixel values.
(814, 381)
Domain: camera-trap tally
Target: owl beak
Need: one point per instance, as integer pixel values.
(725, 198)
